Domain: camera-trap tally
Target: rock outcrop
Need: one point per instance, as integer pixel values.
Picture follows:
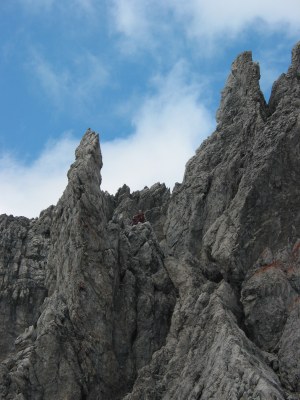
(202, 301)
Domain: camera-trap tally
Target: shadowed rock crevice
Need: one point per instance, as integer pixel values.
(201, 301)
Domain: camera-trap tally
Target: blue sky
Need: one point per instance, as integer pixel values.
(145, 74)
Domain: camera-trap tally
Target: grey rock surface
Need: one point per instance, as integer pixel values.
(107, 299)
(200, 302)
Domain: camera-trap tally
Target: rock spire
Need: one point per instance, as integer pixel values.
(199, 302)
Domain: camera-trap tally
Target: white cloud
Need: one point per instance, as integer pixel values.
(131, 16)
(54, 84)
(168, 127)
(141, 21)
(28, 189)
(69, 88)
(136, 21)
(213, 17)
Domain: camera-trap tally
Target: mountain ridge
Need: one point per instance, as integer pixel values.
(199, 302)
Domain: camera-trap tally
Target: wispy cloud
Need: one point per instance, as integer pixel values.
(169, 122)
(133, 18)
(28, 189)
(167, 128)
(69, 88)
(203, 18)
(135, 21)
(141, 21)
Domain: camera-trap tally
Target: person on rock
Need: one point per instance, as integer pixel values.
(138, 218)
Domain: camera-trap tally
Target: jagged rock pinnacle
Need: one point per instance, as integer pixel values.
(202, 301)
(295, 66)
(242, 94)
(286, 90)
(88, 159)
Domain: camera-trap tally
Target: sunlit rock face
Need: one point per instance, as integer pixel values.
(201, 301)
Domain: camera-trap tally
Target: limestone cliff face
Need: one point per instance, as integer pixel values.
(199, 302)
(86, 300)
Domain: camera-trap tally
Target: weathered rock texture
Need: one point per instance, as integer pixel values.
(202, 301)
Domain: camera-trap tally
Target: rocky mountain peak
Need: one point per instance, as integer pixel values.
(88, 158)
(200, 301)
(295, 66)
(242, 93)
(286, 90)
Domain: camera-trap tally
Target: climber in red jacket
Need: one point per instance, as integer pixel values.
(138, 218)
